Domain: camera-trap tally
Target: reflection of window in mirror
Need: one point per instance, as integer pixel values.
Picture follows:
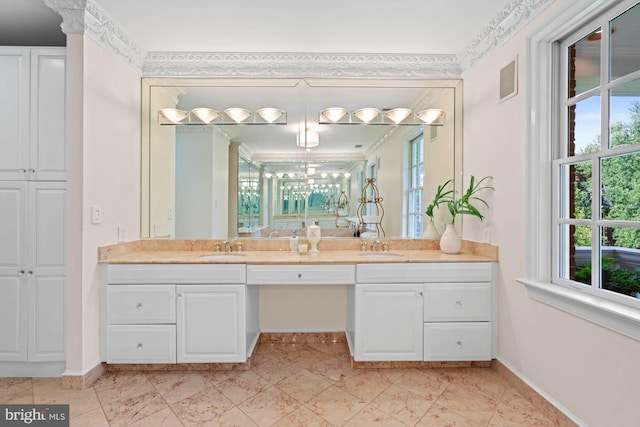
(413, 187)
(373, 173)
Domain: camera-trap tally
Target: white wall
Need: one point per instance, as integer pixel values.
(589, 370)
(103, 160)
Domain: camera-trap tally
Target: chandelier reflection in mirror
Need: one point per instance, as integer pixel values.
(229, 116)
(375, 116)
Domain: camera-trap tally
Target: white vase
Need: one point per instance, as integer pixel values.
(313, 236)
(430, 231)
(450, 242)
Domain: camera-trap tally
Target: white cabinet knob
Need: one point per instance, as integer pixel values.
(458, 304)
(179, 297)
(139, 346)
(139, 306)
(29, 273)
(21, 273)
(420, 294)
(459, 344)
(299, 275)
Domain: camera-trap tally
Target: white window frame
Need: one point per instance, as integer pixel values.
(544, 128)
(409, 185)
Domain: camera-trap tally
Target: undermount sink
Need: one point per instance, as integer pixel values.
(222, 255)
(379, 255)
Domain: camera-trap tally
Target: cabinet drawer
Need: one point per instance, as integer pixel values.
(457, 302)
(436, 272)
(141, 344)
(175, 273)
(128, 304)
(300, 274)
(457, 341)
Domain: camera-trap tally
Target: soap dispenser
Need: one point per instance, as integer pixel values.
(313, 236)
(293, 242)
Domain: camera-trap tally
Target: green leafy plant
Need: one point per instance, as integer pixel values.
(614, 277)
(440, 197)
(464, 204)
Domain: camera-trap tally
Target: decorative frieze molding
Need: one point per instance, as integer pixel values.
(211, 64)
(515, 15)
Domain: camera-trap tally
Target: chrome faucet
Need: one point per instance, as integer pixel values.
(227, 246)
(274, 233)
(374, 245)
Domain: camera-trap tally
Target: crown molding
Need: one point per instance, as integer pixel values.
(220, 64)
(85, 17)
(515, 15)
(304, 156)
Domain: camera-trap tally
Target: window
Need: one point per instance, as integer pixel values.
(585, 132)
(414, 183)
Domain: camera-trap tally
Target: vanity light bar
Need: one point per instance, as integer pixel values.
(230, 116)
(374, 116)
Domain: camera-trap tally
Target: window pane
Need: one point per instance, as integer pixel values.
(575, 258)
(584, 126)
(576, 192)
(621, 260)
(624, 120)
(620, 176)
(584, 65)
(625, 43)
(415, 201)
(415, 226)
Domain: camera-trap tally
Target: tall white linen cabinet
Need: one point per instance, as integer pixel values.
(32, 211)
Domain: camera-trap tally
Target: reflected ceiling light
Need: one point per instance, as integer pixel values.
(236, 114)
(323, 174)
(347, 174)
(308, 139)
(268, 175)
(206, 115)
(311, 171)
(279, 174)
(335, 174)
(334, 114)
(397, 115)
(366, 114)
(270, 114)
(431, 116)
(173, 114)
(310, 181)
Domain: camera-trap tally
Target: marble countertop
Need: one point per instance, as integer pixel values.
(287, 257)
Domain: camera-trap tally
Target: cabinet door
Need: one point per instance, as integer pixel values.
(13, 227)
(210, 324)
(47, 130)
(388, 322)
(46, 271)
(46, 319)
(14, 113)
(46, 228)
(13, 319)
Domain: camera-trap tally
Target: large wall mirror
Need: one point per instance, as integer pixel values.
(265, 177)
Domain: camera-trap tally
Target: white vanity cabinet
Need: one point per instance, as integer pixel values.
(211, 323)
(388, 319)
(177, 313)
(423, 311)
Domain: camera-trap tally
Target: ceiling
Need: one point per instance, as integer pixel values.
(337, 26)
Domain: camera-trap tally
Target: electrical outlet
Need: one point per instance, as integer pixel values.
(96, 214)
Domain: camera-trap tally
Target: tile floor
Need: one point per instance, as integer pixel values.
(288, 385)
